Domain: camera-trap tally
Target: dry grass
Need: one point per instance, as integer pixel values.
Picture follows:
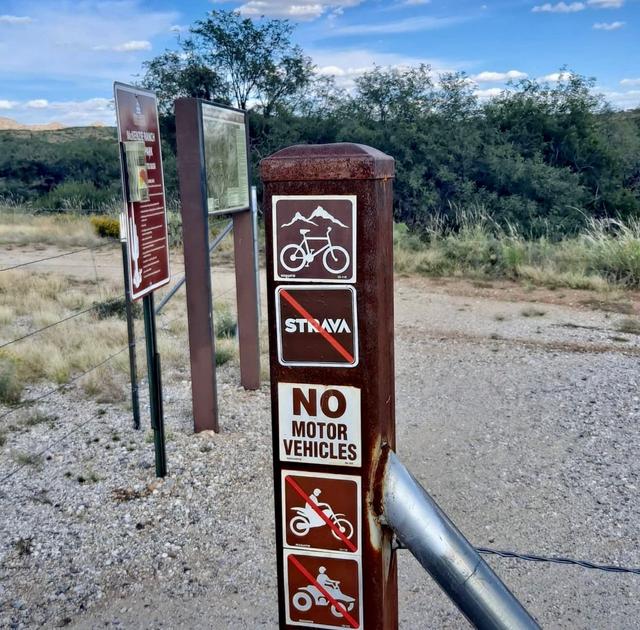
(629, 325)
(63, 230)
(604, 256)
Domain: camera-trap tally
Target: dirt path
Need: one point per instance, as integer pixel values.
(517, 410)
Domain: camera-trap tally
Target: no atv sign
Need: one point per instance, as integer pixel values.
(317, 325)
(314, 238)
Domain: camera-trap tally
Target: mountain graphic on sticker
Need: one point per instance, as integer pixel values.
(318, 213)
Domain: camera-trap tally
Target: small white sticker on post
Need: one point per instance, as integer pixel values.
(319, 424)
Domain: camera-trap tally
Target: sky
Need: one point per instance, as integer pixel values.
(59, 58)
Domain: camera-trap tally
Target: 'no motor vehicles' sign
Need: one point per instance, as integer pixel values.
(319, 424)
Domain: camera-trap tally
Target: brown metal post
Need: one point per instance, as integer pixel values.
(246, 292)
(328, 212)
(195, 230)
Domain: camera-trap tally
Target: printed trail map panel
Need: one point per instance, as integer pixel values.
(147, 236)
(319, 424)
(317, 325)
(314, 238)
(323, 591)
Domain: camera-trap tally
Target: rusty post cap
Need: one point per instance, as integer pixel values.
(342, 160)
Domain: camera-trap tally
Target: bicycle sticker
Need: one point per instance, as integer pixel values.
(314, 238)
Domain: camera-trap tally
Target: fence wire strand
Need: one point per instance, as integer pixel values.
(39, 260)
(587, 564)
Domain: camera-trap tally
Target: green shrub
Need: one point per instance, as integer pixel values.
(106, 227)
(174, 228)
(225, 323)
(78, 195)
(10, 385)
(116, 307)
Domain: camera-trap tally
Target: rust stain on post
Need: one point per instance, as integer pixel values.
(313, 174)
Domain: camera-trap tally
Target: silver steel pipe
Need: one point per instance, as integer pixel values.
(425, 530)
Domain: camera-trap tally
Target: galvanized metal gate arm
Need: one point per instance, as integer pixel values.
(425, 530)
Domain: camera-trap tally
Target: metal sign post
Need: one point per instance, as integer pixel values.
(213, 170)
(146, 227)
(131, 331)
(328, 215)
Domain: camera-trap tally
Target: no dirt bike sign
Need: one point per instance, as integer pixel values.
(321, 511)
(314, 238)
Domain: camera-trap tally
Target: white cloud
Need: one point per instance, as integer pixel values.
(68, 113)
(297, 10)
(574, 7)
(623, 100)
(554, 77)
(495, 77)
(74, 41)
(408, 25)
(348, 65)
(488, 93)
(632, 82)
(15, 19)
(605, 4)
(38, 103)
(133, 45)
(560, 7)
(608, 26)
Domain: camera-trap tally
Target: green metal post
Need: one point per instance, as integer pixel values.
(155, 385)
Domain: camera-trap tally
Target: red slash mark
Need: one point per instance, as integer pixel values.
(338, 606)
(305, 313)
(321, 514)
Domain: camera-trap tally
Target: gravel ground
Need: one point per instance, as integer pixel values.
(523, 427)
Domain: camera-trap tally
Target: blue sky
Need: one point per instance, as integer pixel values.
(59, 58)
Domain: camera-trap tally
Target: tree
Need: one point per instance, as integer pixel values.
(172, 75)
(395, 92)
(257, 61)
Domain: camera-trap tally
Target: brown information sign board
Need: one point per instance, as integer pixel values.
(317, 325)
(141, 159)
(314, 238)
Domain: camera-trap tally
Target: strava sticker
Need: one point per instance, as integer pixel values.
(314, 238)
(321, 511)
(322, 591)
(317, 325)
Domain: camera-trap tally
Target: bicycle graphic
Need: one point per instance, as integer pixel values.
(296, 256)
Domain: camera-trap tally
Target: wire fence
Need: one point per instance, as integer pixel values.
(527, 557)
(23, 404)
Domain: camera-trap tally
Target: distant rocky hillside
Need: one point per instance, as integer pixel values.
(9, 123)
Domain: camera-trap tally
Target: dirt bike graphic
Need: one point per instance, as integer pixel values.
(307, 518)
(296, 256)
(308, 596)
